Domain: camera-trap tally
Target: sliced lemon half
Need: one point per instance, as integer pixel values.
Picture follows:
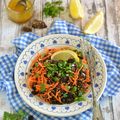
(65, 55)
(94, 24)
(76, 9)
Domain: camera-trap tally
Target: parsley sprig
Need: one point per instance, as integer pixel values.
(53, 9)
(14, 116)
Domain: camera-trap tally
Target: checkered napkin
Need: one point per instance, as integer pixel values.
(109, 51)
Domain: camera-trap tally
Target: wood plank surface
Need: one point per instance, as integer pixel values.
(111, 31)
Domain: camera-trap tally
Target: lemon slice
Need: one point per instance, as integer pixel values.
(65, 55)
(94, 24)
(76, 9)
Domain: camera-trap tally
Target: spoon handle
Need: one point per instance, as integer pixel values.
(97, 113)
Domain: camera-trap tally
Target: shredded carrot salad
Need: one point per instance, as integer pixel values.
(58, 81)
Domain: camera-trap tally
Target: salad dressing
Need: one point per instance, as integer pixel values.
(18, 12)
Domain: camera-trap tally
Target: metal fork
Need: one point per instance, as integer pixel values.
(89, 53)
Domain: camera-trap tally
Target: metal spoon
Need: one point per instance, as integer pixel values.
(97, 114)
(23, 3)
(89, 53)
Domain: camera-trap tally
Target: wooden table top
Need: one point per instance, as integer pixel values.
(110, 30)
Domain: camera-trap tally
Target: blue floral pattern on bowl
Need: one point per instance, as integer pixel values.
(24, 62)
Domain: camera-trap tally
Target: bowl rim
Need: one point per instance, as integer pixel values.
(52, 113)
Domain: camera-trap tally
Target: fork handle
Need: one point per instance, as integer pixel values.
(97, 113)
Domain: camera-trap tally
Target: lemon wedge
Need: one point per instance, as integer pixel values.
(76, 9)
(65, 55)
(94, 24)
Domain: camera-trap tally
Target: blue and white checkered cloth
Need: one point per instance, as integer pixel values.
(110, 53)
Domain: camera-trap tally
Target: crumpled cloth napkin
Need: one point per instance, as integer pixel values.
(109, 51)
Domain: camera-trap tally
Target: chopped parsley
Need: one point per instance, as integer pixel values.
(53, 9)
(42, 87)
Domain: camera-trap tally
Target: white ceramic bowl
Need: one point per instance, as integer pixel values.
(22, 67)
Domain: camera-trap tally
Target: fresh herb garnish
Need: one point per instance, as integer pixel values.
(42, 87)
(53, 9)
(14, 116)
(65, 95)
(36, 64)
(80, 94)
(55, 79)
(37, 75)
(81, 98)
(74, 89)
(61, 69)
(79, 64)
(67, 87)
